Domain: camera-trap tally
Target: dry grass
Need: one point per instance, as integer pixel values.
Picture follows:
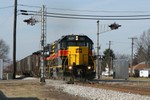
(32, 89)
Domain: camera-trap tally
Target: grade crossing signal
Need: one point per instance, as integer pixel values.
(28, 21)
(31, 21)
(114, 26)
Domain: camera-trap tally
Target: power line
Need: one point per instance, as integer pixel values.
(99, 15)
(20, 5)
(28, 6)
(104, 11)
(90, 17)
(6, 7)
(85, 15)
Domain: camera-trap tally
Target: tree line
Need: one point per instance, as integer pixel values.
(142, 52)
(142, 45)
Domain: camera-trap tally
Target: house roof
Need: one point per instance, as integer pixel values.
(140, 66)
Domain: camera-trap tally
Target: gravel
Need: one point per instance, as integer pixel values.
(91, 93)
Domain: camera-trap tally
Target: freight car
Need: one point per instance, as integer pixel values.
(28, 66)
(71, 57)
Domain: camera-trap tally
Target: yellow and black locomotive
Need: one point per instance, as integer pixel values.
(71, 57)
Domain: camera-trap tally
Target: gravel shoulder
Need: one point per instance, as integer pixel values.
(97, 92)
(31, 89)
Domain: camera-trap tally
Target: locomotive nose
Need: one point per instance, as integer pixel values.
(78, 55)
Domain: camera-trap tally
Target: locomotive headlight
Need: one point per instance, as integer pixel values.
(89, 67)
(70, 67)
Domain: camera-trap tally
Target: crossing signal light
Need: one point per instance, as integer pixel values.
(28, 21)
(37, 53)
(114, 26)
(31, 21)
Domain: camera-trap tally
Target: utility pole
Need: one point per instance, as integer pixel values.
(113, 26)
(14, 39)
(148, 52)
(43, 43)
(43, 20)
(98, 69)
(109, 56)
(132, 44)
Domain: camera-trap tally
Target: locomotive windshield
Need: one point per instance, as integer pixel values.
(76, 43)
(80, 43)
(71, 44)
(73, 40)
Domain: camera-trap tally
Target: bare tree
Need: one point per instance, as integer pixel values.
(4, 49)
(142, 45)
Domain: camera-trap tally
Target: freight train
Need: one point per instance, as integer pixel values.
(29, 66)
(71, 56)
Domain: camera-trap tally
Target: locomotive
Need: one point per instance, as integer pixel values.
(71, 57)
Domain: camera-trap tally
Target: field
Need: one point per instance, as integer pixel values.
(31, 90)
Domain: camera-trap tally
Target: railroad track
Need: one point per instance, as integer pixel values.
(135, 87)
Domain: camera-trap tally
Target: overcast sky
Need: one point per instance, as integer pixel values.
(28, 37)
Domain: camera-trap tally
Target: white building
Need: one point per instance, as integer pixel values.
(144, 73)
